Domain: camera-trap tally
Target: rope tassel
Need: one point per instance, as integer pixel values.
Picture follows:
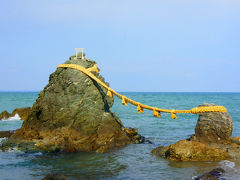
(109, 93)
(156, 113)
(139, 108)
(94, 68)
(124, 101)
(173, 115)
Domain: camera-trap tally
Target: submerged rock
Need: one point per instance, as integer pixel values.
(72, 113)
(55, 177)
(214, 174)
(214, 127)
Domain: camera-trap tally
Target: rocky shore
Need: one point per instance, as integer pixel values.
(212, 141)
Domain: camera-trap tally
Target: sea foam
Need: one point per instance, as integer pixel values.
(15, 117)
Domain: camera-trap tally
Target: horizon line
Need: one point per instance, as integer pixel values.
(138, 91)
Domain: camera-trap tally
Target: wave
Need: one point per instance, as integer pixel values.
(227, 164)
(15, 117)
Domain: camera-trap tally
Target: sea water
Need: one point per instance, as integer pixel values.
(133, 161)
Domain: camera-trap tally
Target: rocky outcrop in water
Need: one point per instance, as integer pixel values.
(214, 174)
(186, 150)
(4, 115)
(211, 141)
(7, 134)
(72, 113)
(215, 127)
(22, 112)
(55, 177)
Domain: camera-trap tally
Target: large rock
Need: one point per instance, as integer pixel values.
(214, 127)
(72, 113)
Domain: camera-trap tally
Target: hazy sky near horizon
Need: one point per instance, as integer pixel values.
(139, 45)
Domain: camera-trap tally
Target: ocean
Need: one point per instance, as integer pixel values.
(133, 161)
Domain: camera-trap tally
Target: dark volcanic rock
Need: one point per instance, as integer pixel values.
(72, 113)
(214, 127)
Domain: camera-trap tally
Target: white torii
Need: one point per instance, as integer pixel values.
(77, 51)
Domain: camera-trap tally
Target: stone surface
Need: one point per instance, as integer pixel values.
(4, 115)
(185, 150)
(213, 127)
(214, 174)
(72, 113)
(211, 142)
(136, 138)
(7, 133)
(22, 112)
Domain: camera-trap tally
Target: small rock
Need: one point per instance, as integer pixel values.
(4, 115)
(22, 112)
(132, 133)
(215, 174)
(138, 139)
(55, 177)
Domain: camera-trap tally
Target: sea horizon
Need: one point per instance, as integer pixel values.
(19, 91)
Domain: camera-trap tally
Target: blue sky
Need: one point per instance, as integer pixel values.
(139, 45)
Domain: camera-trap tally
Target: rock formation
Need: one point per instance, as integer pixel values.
(7, 134)
(4, 115)
(213, 127)
(55, 177)
(211, 141)
(215, 174)
(186, 150)
(22, 112)
(72, 113)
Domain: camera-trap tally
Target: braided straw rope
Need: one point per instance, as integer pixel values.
(140, 107)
